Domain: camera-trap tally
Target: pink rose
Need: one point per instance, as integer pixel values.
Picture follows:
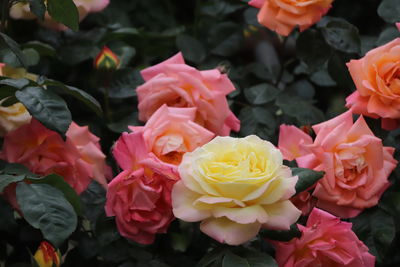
(171, 132)
(89, 148)
(378, 85)
(324, 241)
(22, 10)
(356, 163)
(398, 25)
(140, 196)
(176, 84)
(44, 152)
(283, 16)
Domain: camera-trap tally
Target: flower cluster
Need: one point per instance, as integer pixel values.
(184, 109)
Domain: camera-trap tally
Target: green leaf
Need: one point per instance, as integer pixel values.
(338, 70)
(303, 89)
(258, 259)
(307, 178)
(6, 179)
(38, 8)
(41, 48)
(65, 12)
(211, 257)
(45, 208)
(58, 182)
(47, 107)
(93, 200)
(16, 83)
(232, 260)
(389, 10)
(122, 125)
(261, 93)
(192, 49)
(300, 109)
(123, 83)
(377, 229)
(387, 35)
(342, 36)
(225, 38)
(7, 218)
(257, 120)
(247, 258)
(79, 94)
(383, 230)
(312, 48)
(14, 47)
(16, 169)
(281, 235)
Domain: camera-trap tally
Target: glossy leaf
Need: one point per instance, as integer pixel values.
(46, 208)
(47, 107)
(307, 178)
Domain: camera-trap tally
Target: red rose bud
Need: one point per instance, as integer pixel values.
(106, 59)
(47, 256)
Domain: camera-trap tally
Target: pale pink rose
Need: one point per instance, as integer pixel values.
(356, 164)
(324, 241)
(140, 196)
(378, 85)
(235, 187)
(176, 84)
(283, 16)
(398, 25)
(89, 148)
(22, 11)
(44, 152)
(171, 132)
(292, 141)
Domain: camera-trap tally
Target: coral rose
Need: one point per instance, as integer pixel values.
(356, 163)
(171, 132)
(176, 84)
(44, 152)
(235, 186)
(89, 148)
(377, 78)
(21, 10)
(283, 16)
(324, 241)
(140, 196)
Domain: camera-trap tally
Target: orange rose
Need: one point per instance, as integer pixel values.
(283, 16)
(377, 78)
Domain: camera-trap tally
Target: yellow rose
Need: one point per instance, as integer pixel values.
(235, 186)
(47, 256)
(16, 115)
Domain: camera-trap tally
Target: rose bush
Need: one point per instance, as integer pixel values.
(139, 139)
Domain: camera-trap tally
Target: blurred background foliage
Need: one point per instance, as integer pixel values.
(300, 80)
